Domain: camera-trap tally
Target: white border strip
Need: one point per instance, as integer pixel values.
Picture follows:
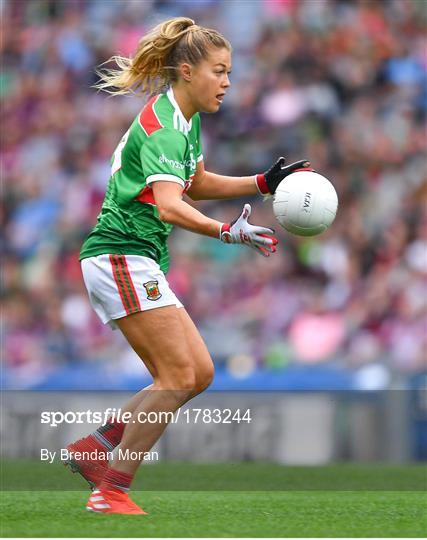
(164, 178)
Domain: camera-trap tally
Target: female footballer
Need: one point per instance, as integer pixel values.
(125, 258)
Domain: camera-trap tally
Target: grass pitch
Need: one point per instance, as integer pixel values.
(196, 513)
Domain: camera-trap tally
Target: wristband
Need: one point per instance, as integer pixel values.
(261, 184)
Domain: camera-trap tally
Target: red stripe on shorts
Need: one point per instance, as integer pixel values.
(129, 281)
(127, 304)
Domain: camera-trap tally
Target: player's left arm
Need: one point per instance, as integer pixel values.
(207, 185)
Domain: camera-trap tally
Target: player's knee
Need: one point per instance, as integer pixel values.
(204, 377)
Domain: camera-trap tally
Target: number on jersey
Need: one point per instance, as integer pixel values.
(117, 156)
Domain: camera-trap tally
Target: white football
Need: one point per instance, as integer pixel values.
(305, 203)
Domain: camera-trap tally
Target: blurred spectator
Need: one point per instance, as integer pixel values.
(341, 82)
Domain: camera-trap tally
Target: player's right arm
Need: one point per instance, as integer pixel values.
(172, 209)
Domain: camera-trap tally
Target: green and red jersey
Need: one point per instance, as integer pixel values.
(159, 145)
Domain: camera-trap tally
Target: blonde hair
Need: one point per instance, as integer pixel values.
(159, 53)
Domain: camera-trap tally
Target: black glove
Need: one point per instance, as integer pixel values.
(267, 182)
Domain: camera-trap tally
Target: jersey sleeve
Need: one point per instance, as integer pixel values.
(199, 149)
(163, 156)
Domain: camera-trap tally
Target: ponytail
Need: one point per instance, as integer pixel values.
(158, 55)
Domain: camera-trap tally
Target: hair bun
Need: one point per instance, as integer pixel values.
(188, 25)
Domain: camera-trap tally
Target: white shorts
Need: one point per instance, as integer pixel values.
(119, 285)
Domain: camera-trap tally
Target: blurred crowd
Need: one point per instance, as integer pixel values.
(342, 83)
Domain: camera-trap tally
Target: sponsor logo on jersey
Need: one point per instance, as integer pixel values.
(172, 162)
(152, 288)
(180, 165)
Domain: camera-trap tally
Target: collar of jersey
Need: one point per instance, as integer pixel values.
(179, 121)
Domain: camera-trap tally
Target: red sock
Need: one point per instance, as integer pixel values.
(116, 480)
(110, 434)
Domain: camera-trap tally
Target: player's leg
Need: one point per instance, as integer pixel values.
(184, 369)
(116, 283)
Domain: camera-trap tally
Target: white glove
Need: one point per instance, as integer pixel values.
(240, 231)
